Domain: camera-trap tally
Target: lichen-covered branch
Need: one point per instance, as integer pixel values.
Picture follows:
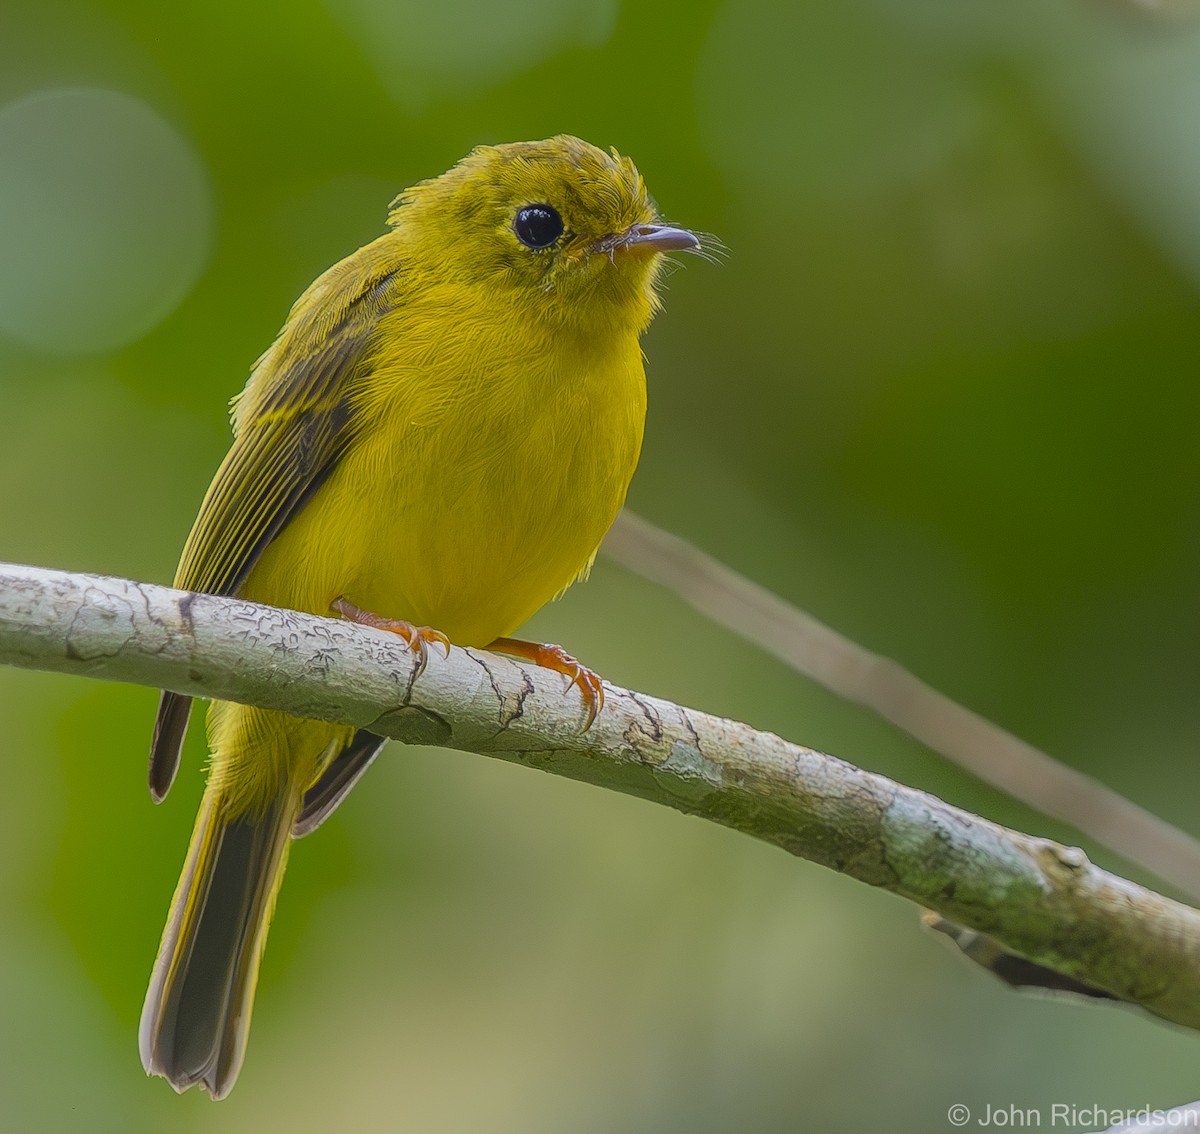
(845, 668)
(1042, 901)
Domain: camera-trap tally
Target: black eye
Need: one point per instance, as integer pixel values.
(538, 226)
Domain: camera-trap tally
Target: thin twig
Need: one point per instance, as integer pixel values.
(1141, 1119)
(1040, 900)
(880, 684)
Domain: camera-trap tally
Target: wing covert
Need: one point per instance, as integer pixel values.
(292, 423)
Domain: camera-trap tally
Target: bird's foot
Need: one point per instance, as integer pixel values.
(418, 638)
(591, 688)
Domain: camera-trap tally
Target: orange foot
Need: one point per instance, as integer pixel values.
(418, 638)
(556, 658)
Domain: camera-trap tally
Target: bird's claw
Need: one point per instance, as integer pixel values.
(591, 687)
(549, 656)
(417, 638)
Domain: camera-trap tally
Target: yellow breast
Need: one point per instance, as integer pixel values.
(492, 455)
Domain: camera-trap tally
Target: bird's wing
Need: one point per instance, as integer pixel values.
(296, 423)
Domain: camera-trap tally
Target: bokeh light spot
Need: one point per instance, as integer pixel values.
(426, 51)
(105, 220)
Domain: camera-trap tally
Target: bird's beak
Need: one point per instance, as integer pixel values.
(642, 238)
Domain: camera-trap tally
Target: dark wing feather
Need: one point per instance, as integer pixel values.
(289, 439)
(334, 784)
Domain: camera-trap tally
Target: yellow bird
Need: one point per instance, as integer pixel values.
(435, 444)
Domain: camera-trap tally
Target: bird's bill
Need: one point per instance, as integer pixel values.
(654, 238)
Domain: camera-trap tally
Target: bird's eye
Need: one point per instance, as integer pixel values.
(538, 226)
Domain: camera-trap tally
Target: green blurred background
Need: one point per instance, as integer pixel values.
(943, 394)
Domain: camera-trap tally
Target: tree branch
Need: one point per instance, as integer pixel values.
(1042, 901)
(797, 639)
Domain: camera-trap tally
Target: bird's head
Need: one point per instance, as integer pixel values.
(568, 228)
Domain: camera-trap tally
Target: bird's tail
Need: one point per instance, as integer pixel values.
(197, 1010)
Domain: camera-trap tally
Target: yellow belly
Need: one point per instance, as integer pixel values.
(477, 490)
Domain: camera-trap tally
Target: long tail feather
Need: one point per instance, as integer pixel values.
(197, 1011)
